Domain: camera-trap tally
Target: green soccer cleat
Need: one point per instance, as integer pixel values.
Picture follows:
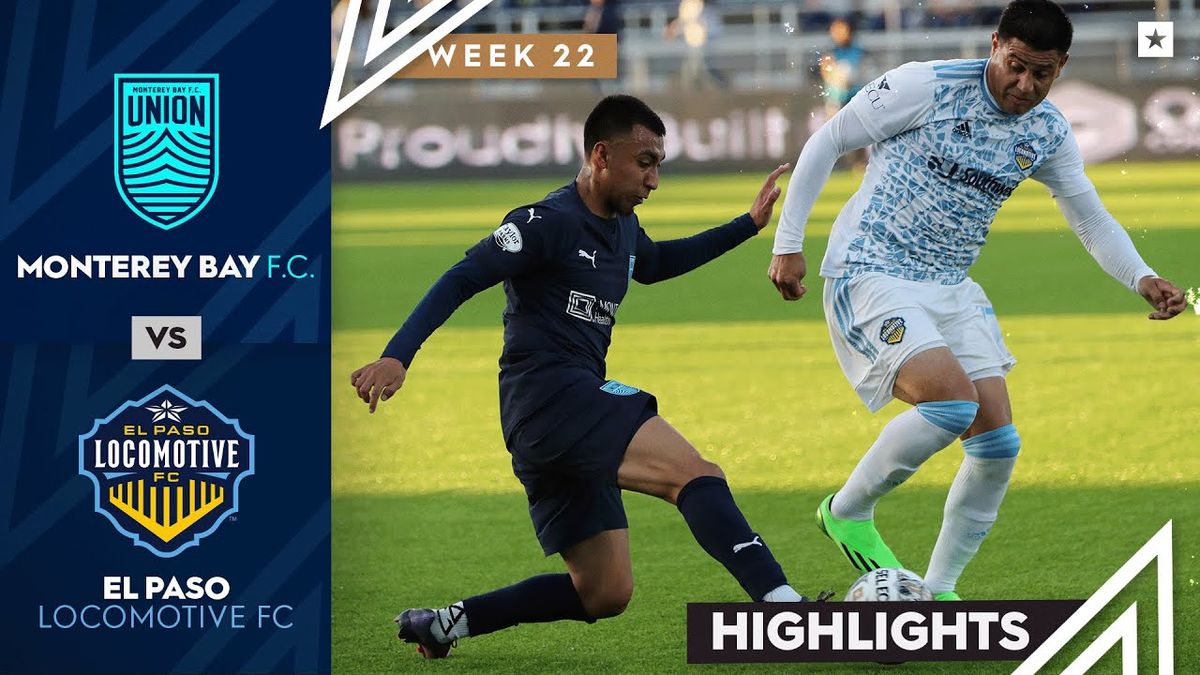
(857, 539)
(946, 595)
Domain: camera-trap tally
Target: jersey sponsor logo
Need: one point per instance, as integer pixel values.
(508, 237)
(970, 176)
(591, 309)
(963, 129)
(165, 145)
(166, 469)
(873, 93)
(1025, 155)
(892, 330)
(617, 389)
(581, 305)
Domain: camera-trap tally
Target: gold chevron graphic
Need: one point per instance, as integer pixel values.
(181, 507)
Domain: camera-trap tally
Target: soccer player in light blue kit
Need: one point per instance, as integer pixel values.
(952, 140)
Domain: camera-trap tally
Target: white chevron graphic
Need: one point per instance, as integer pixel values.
(379, 43)
(1124, 629)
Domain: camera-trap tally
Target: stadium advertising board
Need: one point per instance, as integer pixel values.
(429, 136)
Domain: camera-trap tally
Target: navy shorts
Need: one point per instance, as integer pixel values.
(567, 455)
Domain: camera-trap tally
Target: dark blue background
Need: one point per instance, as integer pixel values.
(64, 344)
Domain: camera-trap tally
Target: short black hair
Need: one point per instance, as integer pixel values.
(1041, 24)
(616, 115)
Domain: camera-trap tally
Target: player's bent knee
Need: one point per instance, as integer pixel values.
(953, 416)
(609, 600)
(707, 468)
(701, 468)
(1000, 443)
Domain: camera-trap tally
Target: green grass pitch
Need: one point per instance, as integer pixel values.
(426, 510)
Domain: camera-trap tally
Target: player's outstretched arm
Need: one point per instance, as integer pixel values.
(877, 112)
(843, 133)
(1166, 299)
(1105, 240)
(659, 261)
(382, 378)
(1111, 247)
(379, 380)
(519, 245)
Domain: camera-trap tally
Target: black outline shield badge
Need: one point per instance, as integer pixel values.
(165, 144)
(892, 330)
(166, 469)
(1024, 154)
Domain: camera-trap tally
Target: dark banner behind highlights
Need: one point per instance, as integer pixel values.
(65, 355)
(882, 632)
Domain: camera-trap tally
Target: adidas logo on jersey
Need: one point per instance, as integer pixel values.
(963, 129)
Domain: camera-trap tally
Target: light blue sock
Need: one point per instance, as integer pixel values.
(905, 443)
(972, 504)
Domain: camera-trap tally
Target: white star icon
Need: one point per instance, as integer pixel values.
(166, 410)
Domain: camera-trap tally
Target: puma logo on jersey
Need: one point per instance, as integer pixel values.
(532, 217)
(592, 257)
(753, 542)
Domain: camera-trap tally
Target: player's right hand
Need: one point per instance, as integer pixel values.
(787, 273)
(378, 380)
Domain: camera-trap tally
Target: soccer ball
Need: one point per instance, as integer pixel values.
(888, 583)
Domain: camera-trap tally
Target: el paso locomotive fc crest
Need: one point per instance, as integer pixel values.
(166, 469)
(165, 145)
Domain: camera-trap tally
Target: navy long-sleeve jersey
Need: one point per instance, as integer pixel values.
(565, 272)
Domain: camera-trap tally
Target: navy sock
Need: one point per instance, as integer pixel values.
(721, 529)
(546, 597)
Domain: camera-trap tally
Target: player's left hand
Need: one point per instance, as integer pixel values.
(1166, 299)
(764, 203)
(378, 380)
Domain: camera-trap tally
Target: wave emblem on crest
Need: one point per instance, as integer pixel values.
(165, 148)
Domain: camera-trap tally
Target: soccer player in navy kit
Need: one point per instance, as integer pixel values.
(577, 438)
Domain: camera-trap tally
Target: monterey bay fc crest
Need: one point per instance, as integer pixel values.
(166, 469)
(165, 145)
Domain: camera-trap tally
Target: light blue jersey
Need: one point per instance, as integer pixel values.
(945, 158)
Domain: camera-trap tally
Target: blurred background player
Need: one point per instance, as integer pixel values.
(842, 69)
(842, 66)
(696, 24)
(578, 439)
(604, 17)
(952, 140)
